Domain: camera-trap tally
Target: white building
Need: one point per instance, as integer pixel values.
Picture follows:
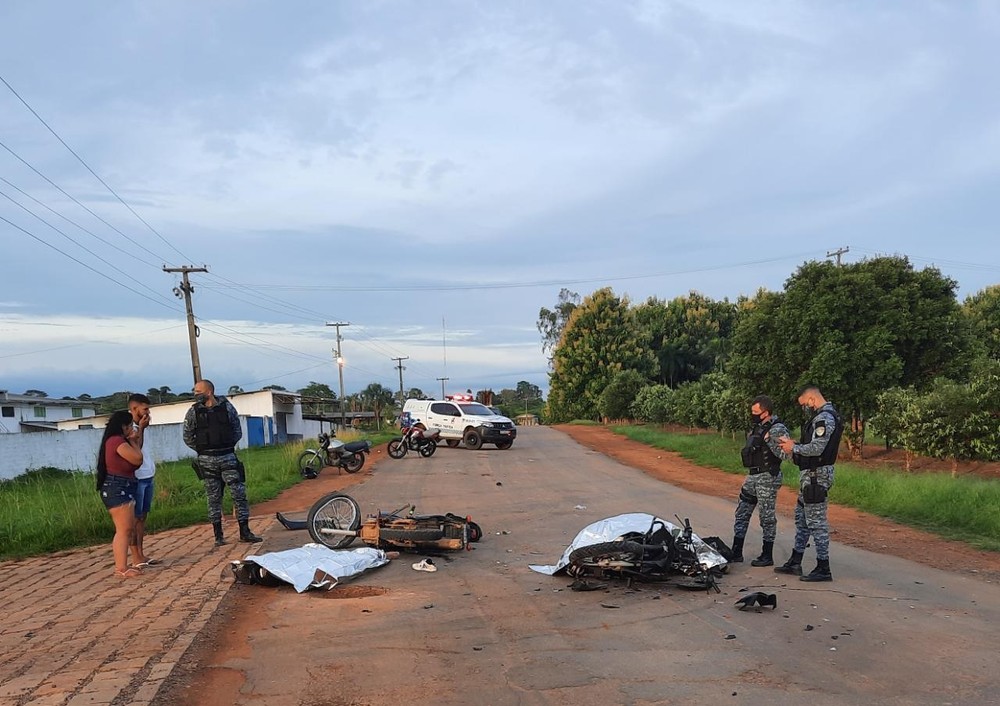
(26, 413)
(268, 417)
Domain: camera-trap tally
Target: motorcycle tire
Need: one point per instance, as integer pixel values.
(473, 440)
(333, 511)
(428, 449)
(590, 556)
(409, 535)
(396, 448)
(355, 463)
(452, 443)
(310, 463)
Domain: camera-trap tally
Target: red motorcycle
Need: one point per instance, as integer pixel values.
(414, 438)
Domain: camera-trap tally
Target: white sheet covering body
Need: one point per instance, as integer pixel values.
(316, 566)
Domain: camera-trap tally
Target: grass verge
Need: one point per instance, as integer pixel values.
(51, 510)
(962, 508)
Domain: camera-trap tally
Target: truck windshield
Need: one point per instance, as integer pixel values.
(476, 408)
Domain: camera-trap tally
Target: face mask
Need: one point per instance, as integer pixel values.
(755, 419)
(201, 399)
(808, 410)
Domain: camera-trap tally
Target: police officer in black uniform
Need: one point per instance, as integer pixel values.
(212, 428)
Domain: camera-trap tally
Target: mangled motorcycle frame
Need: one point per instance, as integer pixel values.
(335, 521)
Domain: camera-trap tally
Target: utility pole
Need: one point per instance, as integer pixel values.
(838, 252)
(443, 380)
(184, 292)
(399, 364)
(340, 367)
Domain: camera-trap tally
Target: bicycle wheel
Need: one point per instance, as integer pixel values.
(310, 463)
(333, 511)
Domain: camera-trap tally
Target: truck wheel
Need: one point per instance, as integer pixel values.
(452, 443)
(504, 444)
(473, 439)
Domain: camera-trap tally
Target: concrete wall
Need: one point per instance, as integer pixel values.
(77, 450)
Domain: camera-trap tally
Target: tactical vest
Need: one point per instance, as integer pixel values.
(212, 429)
(829, 455)
(756, 454)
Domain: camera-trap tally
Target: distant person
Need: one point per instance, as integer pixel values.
(138, 406)
(212, 428)
(762, 456)
(815, 455)
(117, 460)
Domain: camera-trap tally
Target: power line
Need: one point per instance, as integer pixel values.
(521, 285)
(80, 262)
(87, 166)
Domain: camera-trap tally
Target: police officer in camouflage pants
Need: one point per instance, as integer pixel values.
(212, 428)
(762, 458)
(815, 455)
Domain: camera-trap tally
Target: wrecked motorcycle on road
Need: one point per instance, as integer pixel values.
(639, 547)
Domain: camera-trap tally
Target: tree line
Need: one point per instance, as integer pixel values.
(883, 340)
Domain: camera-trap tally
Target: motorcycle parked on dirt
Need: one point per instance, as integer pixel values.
(335, 521)
(414, 438)
(333, 452)
(656, 555)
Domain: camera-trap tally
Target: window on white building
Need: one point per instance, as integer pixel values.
(77, 412)
(39, 412)
(7, 411)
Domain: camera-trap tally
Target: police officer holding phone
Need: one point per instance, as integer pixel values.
(212, 428)
(815, 455)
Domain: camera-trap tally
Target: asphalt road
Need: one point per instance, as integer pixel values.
(484, 629)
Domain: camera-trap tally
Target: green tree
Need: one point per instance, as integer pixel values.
(854, 331)
(551, 322)
(891, 406)
(415, 393)
(377, 397)
(276, 388)
(600, 340)
(317, 389)
(689, 335)
(654, 403)
(617, 398)
(982, 310)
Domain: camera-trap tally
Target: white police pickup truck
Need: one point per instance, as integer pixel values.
(460, 419)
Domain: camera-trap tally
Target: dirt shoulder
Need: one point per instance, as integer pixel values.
(847, 525)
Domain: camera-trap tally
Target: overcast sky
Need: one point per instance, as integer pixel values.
(434, 173)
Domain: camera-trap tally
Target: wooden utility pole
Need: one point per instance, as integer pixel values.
(340, 367)
(184, 292)
(399, 365)
(443, 380)
(838, 252)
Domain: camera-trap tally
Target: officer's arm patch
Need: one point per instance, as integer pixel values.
(820, 429)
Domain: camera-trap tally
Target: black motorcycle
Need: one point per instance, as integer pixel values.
(333, 452)
(656, 555)
(423, 441)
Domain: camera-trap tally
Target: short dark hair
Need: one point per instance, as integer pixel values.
(211, 385)
(138, 397)
(765, 402)
(808, 388)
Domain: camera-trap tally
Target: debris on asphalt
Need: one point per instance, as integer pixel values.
(757, 600)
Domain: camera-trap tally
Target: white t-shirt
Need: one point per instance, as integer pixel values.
(148, 467)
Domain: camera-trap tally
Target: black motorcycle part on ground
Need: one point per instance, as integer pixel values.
(290, 524)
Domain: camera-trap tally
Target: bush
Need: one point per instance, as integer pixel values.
(654, 403)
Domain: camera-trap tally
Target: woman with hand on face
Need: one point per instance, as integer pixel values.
(119, 456)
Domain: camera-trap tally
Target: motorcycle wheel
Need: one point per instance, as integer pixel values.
(396, 448)
(591, 557)
(452, 443)
(473, 440)
(310, 463)
(333, 511)
(428, 449)
(355, 463)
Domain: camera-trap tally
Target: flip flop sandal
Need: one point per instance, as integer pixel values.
(148, 562)
(130, 573)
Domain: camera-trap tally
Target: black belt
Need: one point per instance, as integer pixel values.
(217, 452)
(755, 470)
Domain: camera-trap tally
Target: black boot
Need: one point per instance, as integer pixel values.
(820, 573)
(765, 558)
(737, 550)
(792, 566)
(217, 526)
(246, 535)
